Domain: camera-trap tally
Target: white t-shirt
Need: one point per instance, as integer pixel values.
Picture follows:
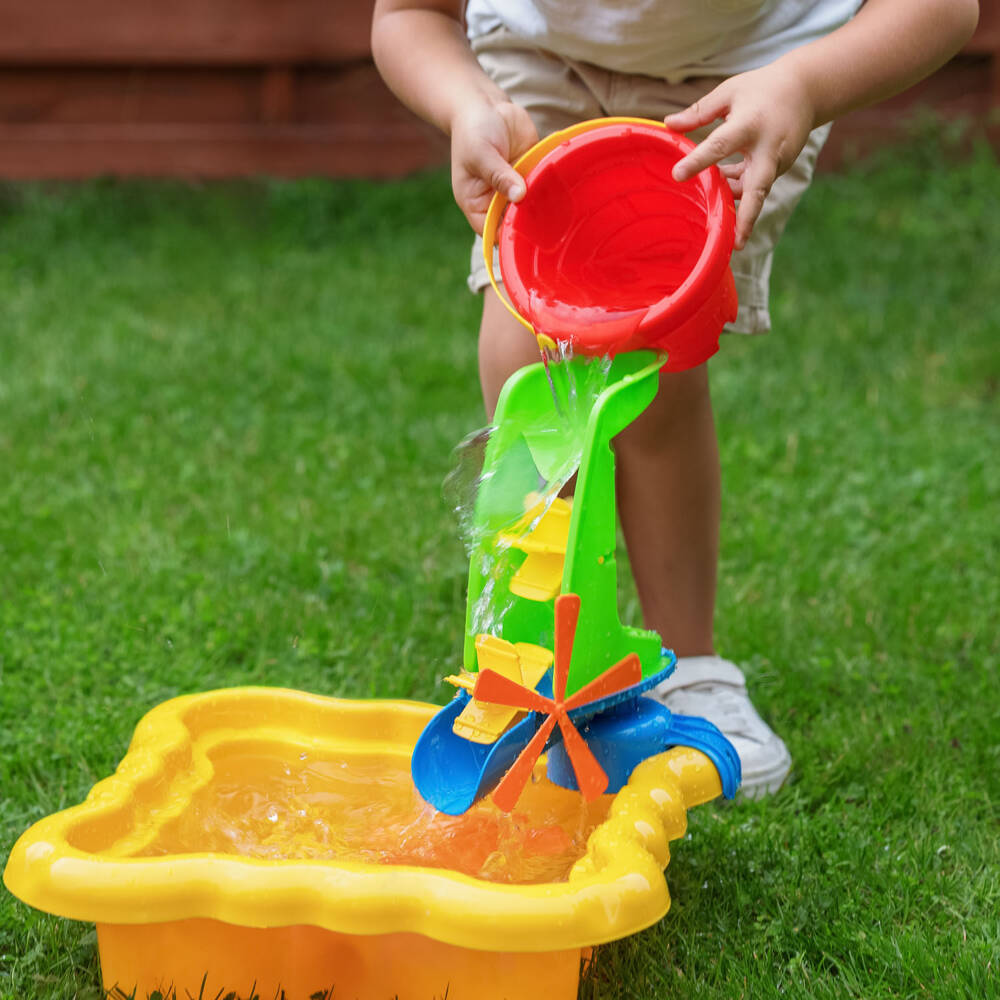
(673, 39)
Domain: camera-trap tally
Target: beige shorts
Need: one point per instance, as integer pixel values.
(559, 92)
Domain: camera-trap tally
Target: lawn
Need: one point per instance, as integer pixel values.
(225, 418)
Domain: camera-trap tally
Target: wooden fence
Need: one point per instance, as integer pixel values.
(226, 88)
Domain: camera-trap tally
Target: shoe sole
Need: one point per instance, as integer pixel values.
(764, 783)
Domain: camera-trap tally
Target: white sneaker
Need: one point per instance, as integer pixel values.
(715, 689)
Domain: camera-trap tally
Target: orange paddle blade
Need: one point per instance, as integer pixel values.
(591, 778)
(508, 791)
(567, 615)
(624, 674)
(495, 689)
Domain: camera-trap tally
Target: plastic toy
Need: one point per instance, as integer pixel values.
(529, 545)
(359, 888)
(620, 257)
(171, 914)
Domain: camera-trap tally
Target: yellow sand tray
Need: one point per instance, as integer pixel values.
(97, 861)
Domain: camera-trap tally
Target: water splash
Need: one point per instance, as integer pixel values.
(551, 456)
(365, 809)
(462, 484)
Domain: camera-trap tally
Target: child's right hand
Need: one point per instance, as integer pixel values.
(486, 138)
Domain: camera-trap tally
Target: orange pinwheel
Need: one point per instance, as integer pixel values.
(493, 688)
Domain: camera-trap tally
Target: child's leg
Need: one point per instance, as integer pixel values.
(669, 501)
(505, 346)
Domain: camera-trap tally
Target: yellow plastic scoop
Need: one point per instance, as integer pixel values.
(542, 534)
(523, 662)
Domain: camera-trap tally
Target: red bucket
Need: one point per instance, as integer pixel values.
(606, 252)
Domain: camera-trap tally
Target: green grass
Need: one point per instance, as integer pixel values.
(225, 416)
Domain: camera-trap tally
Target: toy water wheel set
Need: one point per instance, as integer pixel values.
(607, 257)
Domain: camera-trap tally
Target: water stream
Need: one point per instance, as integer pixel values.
(574, 385)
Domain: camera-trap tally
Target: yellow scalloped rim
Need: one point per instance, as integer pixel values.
(78, 863)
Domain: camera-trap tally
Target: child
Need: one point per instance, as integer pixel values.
(774, 73)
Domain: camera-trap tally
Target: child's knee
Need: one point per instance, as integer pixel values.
(681, 406)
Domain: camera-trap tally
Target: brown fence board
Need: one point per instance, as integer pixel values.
(189, 32)
(70, 152)
(987, 36)
(104, 95)
(961, 91)
(227, 88)
(211, 124)
(986, 41)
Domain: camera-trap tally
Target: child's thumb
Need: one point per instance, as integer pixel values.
(502, 177)
(514, 188)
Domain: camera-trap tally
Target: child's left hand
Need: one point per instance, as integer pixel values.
(768, 114)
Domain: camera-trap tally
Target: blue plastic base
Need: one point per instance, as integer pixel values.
(667, 665)
(451, 773)
(624, 737)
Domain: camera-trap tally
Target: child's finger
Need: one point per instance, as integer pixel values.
(756, 185)
(724, 141)
(733, 174)
(494, 170)
(514, 188)
(710, 108)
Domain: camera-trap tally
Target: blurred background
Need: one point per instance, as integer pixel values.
(231, 88)
(226, 411)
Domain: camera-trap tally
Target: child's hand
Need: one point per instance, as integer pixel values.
(485, 139)
(768, 114)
